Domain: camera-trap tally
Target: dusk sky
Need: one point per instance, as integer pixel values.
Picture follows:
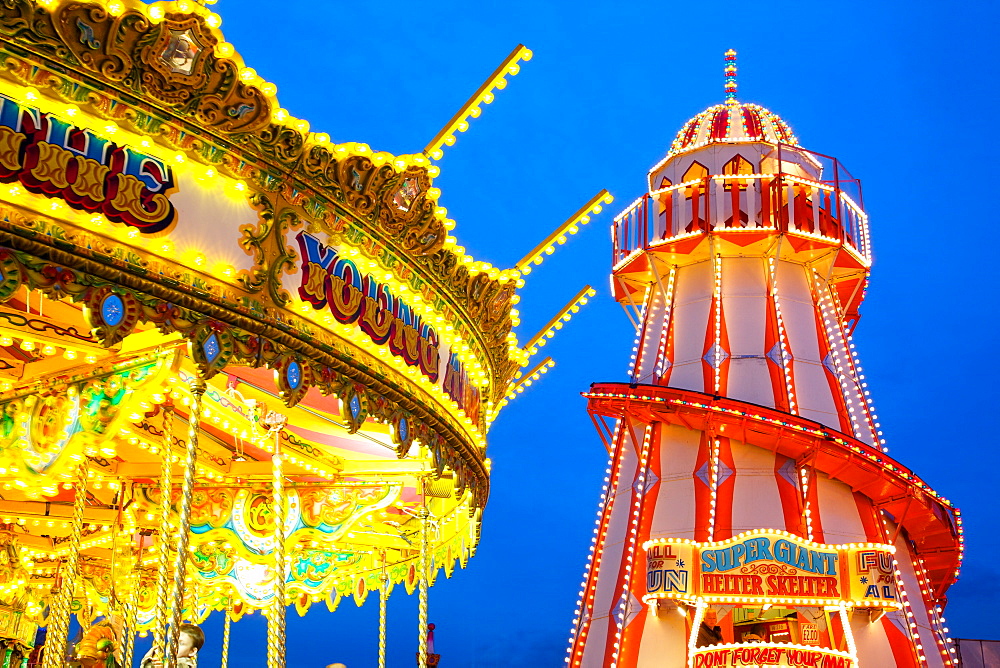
(903, 93)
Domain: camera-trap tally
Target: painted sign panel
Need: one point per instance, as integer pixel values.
(760, 655)
(52, 157)
(771, 565)
(330, 281)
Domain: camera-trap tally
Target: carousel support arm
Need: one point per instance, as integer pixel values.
(183, 524)
(55, 641)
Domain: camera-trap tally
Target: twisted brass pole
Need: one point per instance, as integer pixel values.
(55, 641)
(276, 623)
(183, 524)
(422, 600)
(163, 543)
(383, 597)
(225, 641)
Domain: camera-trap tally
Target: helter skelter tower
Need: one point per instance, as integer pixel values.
(747, 477)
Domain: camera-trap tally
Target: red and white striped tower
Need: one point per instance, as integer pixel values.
(747, 474)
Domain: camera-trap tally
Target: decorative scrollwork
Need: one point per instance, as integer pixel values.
(768, 569)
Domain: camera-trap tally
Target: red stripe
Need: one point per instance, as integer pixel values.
(778, 385)
(791, 501)
(667, 352)
(874, 531)
(587, 608)
(813, 497)
(825, 348)
(903, 650)
(719, 123)
(725, 493)
(622, 576)
(702, 493)
(632, 637)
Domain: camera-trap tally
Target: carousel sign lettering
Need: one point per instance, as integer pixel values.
(352, 296)
(54, 158)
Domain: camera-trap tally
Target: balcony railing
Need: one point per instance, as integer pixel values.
(788, 200)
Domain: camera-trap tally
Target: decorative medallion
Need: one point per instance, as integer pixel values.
(10, 275)
(181, 51)
(354, 411)
(112, 310)
(211, 347)
(406, 194)
(293, 379)
(112, 314)
(360, 592)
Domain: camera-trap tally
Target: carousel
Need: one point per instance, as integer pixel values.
(242, 366)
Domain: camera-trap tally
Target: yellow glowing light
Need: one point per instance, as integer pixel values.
(459, 122)
(581, 217)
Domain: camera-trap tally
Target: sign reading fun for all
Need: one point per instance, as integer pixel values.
(771, 565)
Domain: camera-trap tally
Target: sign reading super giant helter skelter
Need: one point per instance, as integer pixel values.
(771, 567)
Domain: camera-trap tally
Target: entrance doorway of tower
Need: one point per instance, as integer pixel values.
(755, 624)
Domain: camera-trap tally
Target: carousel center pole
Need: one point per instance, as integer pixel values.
(187, 492)
(55, 641)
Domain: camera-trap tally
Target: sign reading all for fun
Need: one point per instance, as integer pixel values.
(771, 565)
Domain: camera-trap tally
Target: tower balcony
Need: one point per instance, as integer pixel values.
(807, 197)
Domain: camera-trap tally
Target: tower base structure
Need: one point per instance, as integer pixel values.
(780, 526)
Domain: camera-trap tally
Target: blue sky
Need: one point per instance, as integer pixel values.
(902, 93)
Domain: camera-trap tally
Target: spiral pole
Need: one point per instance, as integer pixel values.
(128, 631)
(225, 641)
(59, 626)
(383, 598)
(183, 524)
(422, 601)
(276, 622)
(131, 606)
(163, 542)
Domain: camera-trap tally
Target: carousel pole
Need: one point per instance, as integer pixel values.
(187, 492)
(225, 640)
(128, 628)
(424, 515)
(383, 598)
(276, 621)
(131, 605)
(55, 641)
(163, 542)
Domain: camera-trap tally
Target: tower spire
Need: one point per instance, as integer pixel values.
(730, 71)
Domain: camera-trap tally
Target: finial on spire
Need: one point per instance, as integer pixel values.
(730, 77)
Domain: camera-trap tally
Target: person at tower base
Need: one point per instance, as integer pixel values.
(191, 640)
(708, 632)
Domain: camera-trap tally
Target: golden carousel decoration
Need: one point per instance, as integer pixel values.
(242, 366)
